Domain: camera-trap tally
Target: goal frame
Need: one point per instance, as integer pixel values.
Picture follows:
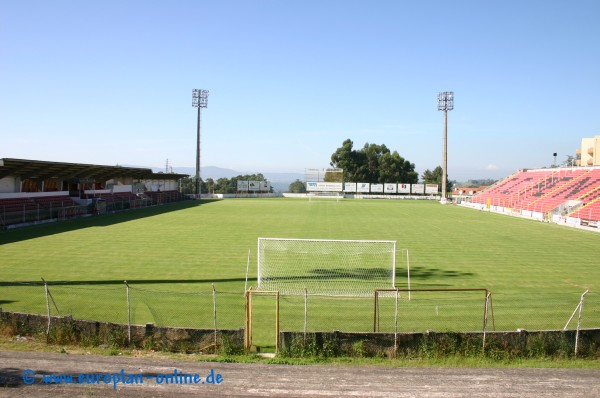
(259, 276)
(325, 196)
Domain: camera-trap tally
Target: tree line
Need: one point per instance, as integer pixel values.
(220, 185)
(376, 164)
(373, 163)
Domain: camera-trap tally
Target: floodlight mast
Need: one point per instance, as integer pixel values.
(445, 103)
(199, 100)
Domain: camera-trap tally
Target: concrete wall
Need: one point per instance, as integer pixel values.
(65, 330)
(590, 151)
(8, 185)
(501, 344)
(16, 195)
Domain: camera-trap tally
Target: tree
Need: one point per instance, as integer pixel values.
(297, 187)
(344, 158)
(229, 185)
(435, 177)
(374, 164)
(188, 185)
(569, 162)
(479, 183)
(210, 185)
(333, 177)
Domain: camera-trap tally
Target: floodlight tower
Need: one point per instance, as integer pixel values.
(199, 100)
(445, 103)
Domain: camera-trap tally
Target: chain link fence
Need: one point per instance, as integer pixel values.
(210, 308)
(441, 311)
(460, 310)
(128, 304)
(201, 310)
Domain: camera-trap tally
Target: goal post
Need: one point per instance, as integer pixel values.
(324, 183)
(326, 266)
(324, 196)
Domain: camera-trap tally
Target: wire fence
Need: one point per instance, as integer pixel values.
(32, 213)
(27, 210)
(459, 311)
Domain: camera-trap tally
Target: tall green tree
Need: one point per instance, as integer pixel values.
(344, 158)
(297, 187)
(435, 177)
(374, 164)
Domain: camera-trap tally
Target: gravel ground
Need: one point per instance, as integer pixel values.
(21, 375)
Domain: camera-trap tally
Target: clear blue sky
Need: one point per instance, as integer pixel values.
(110, 82)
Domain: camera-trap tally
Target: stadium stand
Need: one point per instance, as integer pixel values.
(33, 191)
(591, 210)
(572, 192)
(159, 197)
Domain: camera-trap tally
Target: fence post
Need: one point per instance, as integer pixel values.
(277, 323)
(128, 314)
(396, 324)
(375, 309)
(215, 314)
(47, 307)
(485, 319)
(580, 308)
(247, 268)
(305, 312)
(579, 322)
(248, 320)
(49, 294)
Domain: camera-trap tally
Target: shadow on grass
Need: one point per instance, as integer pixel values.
(131, 282)
(421, 275)
(428, 273)
(359, 273)
(41, 230)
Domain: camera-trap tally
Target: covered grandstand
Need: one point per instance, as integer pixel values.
(568, 195)
(34, 191)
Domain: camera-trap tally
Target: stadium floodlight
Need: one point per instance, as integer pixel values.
(445, 104)
(199, 100)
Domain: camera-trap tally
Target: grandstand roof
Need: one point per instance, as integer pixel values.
(24, 168)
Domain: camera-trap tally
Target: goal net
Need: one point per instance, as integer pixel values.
(324, 184)
(324, 196)
(328, 267)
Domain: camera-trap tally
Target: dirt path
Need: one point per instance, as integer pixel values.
(151, 377)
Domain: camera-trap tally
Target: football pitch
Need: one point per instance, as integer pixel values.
(173, 255)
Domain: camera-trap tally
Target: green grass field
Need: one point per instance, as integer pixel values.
(173, 254)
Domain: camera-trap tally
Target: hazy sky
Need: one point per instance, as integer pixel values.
(110, 82)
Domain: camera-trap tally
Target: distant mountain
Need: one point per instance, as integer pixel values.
(205, 172)
(279, 181)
